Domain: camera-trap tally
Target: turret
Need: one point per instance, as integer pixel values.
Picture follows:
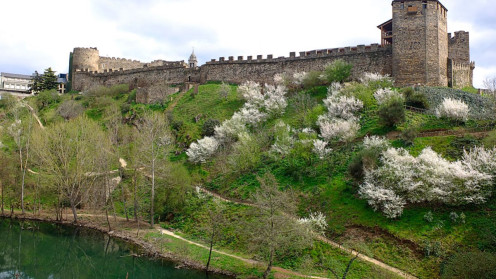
(420, 42)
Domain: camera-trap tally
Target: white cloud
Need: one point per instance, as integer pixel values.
(167, 29)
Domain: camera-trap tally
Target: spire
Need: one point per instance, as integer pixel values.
(193, 61)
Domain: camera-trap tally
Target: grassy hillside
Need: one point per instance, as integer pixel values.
(410, 242)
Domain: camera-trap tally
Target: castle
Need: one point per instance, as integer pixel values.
(415, 48)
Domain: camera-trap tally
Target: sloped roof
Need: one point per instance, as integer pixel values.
(9, 75)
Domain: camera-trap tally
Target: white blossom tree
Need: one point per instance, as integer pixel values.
(383, 95)
(203, 149)
(453, 109)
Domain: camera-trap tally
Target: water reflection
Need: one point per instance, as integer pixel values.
(47, 251)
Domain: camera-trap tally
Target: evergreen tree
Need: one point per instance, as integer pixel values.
(49, 80)
(37, 82)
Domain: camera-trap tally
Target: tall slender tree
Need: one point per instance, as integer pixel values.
(154, 140)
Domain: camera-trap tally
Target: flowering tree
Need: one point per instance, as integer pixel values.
(258, 108)
(384, 95)
(454, 109)
(403, 178)
(339, 123)
(339, 129)
(200, 151)
(320, 148)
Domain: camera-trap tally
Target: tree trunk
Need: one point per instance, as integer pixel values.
(153, 194)
(22, 179)
(2, 197)
(269, 267)
(135, 196)
(210, 251)
(123, 196)
(74, 213)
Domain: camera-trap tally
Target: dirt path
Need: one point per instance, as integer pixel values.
(35, 116)
(172, 234)
(322, 238)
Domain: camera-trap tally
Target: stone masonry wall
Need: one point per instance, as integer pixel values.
(107, 63)
(460, 74)
(459, 47)
(171, 74)
(420, 44)
(372, 58)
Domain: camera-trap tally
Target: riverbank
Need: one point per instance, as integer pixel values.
(130, 232)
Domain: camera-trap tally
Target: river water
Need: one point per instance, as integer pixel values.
(38, 250)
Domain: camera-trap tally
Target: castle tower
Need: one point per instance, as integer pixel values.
(420, 43)
(84, 59)
(193, 62)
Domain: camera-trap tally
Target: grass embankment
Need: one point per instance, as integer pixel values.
(410, 243)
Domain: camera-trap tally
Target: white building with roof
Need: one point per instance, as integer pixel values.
(15, 83)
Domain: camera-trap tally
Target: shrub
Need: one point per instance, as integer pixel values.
(70, 109)
(132, 97)
(312, 79)
(453, 109)
(392, 112)
(415, 99)
(46, 98)
(409, 134)
(112, 91)
(208, 128)
(402, 178)
(338, 71)
(376, 81)
(384, 95)
(480, 107)
(224, 90)
(428, 217)
(201, 150)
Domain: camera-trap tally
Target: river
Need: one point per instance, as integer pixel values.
(38, 250)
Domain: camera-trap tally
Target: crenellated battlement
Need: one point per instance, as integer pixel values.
(122, 71)
(312, 54)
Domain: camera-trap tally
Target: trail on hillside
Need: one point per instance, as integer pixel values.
(322, 238)
(35, 116)
(249, 261)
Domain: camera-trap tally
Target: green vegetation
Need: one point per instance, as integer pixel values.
(426, 247)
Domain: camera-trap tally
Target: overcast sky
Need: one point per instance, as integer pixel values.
(39, 34)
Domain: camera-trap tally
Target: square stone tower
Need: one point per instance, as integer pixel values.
(420, 43)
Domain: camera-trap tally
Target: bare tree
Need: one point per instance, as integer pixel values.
(490, 85)
(20, 131)
(271, 229)
(153, 141)
(68, 154)
(70, 109)
(216, 222)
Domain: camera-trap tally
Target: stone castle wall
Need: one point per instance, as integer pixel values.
(420, 43)
(459, 47)
(460, 74)
(107, 63)
(373, 58)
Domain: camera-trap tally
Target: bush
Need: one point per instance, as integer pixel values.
(475, 264)
(313, 79)
(409, 134)
(338, 71)
(46, 98)
(480, 107)
(224, 90)
(392, 112)
(415, 99)
(453, 109)
(70, 109)
(113, 91)
(208, 128)
(132, 97)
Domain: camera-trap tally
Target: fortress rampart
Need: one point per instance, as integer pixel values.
(415, 49)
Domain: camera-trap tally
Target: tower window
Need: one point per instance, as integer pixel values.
(424, 5)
